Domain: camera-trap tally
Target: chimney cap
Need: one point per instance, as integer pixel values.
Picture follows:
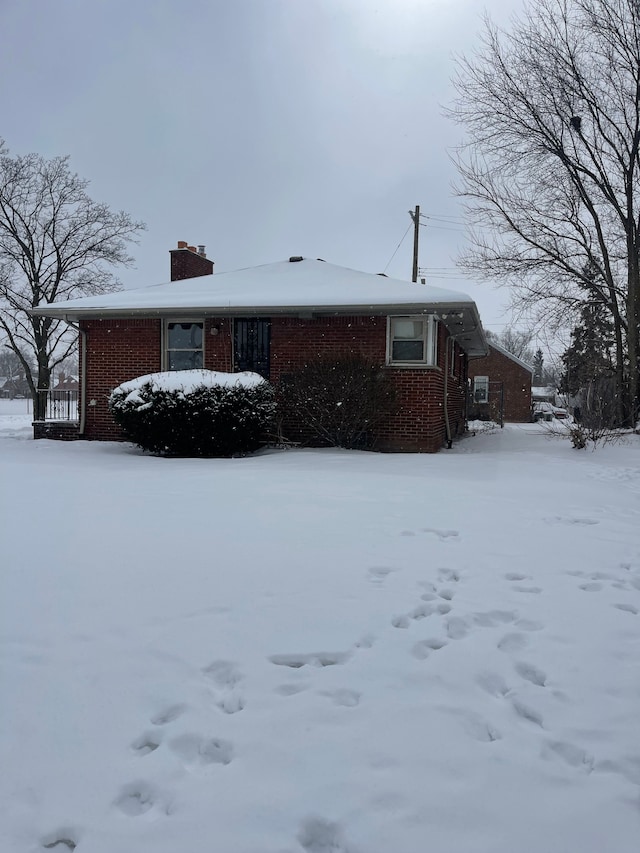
(182, 244)
(201, 252)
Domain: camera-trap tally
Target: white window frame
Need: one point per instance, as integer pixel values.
(429, 340)
(165, 338)
(481, 383)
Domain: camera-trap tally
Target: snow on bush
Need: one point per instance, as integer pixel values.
(195, 412)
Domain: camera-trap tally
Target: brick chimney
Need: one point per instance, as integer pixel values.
(189, 262)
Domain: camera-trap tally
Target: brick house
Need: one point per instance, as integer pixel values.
(272, 319)
(500, 386)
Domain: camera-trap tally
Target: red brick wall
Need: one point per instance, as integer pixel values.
(118, 350)
(516, 381)
(188, 264)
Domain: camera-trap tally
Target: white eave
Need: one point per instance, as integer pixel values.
(300, 288)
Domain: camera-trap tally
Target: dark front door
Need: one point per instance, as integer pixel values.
(251, 345)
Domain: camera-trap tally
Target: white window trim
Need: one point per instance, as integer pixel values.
(485, 386)
(430, 340)
(165, 337)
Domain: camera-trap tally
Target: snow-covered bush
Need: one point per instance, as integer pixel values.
(337, 401)
(195, 412)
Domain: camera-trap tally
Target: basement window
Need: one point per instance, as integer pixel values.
(184, 346)
(481, 389)
(411, 341)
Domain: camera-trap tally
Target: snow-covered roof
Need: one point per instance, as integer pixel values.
(510, 355)
(297, 286)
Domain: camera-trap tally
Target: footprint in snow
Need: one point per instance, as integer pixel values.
(534, 590)
(168, 715)
(317, 659)
(62, 840)
(425, 648)
(443, 535)
(422, 611)
(457, 628)
(291, 689)
(196, 751)
(317, 835)
(529, 625)
(223, 673)
(572, 755)
(225, 677)
(447, 594)
(516, 576)
(628, 767)
(531, 673)
(136, 799)
(492, 618)
(512, 642)
(429, 596)
(146, 743)
(561, 519)
(476, 726)
(591, 587)
(448, 575)
(343, 696)
(493, 683)
(628, 608)
(377, 574)
(526, 712)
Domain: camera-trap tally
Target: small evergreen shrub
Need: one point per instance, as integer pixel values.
(195, 412)
(338, 401)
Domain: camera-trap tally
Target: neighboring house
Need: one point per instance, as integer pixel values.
(500, 387)
(272, 319)
(66, 382)
(12, 387)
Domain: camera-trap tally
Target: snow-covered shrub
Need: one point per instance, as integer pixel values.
(579, 436)
(582, 435)
(195, 412)
(337, 401)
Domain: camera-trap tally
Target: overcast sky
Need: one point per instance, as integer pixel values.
(260, 128)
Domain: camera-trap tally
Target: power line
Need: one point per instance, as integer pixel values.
(398, 246)
(458, 220)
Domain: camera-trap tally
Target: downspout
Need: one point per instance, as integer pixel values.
(82, 407)
(447, 425)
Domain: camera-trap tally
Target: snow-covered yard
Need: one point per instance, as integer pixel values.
(320, 651)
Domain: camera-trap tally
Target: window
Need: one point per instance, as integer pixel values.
(184, 343)
(452, 357)
(481, 389)
(412, 341)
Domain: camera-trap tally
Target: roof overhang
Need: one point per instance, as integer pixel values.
(460, 318)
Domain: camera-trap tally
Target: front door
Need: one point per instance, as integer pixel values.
(251, 345)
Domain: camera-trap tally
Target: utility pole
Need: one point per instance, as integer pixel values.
(416, 226)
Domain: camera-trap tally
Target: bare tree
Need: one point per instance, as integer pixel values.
(550, 169)
(515, 341)
(55, 244)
